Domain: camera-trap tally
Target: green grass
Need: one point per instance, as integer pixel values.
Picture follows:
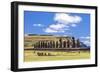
(31, 55)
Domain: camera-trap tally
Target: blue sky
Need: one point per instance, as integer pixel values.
(69, 24)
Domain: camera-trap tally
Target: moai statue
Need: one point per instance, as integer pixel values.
(53, 44)
(68, 43)
(64, 44)
(50, 44)
(39, 44)
(57, 44)
(34, 46)
(47, 45)
(60, 40)
(73, 41)
(78, 43)
(42, 44)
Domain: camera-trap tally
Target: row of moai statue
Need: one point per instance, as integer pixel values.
(68, 43)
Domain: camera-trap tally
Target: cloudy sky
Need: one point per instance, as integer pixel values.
(63, 24)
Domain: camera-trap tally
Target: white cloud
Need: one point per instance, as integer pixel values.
(49, 30)
(63, 22)
(87, 37)
(56, 28)
(73, 25)
(38, 25)
(52, 30)
(65, 18)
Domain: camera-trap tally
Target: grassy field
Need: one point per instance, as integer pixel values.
(35, 55)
